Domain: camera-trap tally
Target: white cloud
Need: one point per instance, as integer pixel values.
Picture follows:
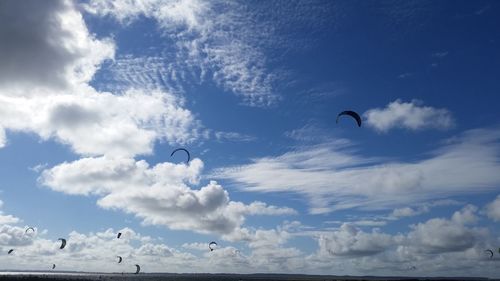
(102, 123)
(405, 75)
(97, 252)
(422, 208)
(13, 236)
(48, 46)
(233, 136)
(465, 216)
(198, 246)
(410, 115)
(310, 133)
(334, 176)
(493, 209)
(7, 219)
(407, 212)
(160, 195)
(436, 247)
(440, 236)
(350, 241)
(369, 223)
(212, 38)
(440, 55)
(48, 58)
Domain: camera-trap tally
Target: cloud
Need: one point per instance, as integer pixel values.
(369, 223)
(493, 209)
(405, 75)
(95, 123)
(7, 219)
(233, 136)
(196, 246)
(48, 47)
(407, 212)
(352, 242)
(440, 55)
(440, 235)
(213, 39)
(160, 194)
(96, 252)
(409, 115)
(310, 133)
(48, 60)
(335, 176)
(13, 235)
(423, 208)
(435, 247)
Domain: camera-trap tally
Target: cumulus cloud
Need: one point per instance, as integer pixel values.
(212, 38)
(47, 45)
(96, 252)
(423, 208)
(407, 212)
(334, 176)
(433, 247)
(13, 236)
(493, 209)
(48, 60)
(7, 219)
(95, 123)
(440, 235)
(160, 195)
(350, 241)
(409, 115)
(195, 246)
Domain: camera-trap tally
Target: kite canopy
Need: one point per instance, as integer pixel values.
(119, 259)
(183, 149)
(29, 228)
(212, 245)
(119, 235)
(352, 114)
(63, 243)
(10, 251)
(138, 269)
(490, 252)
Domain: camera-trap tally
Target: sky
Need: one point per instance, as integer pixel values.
(95, 95)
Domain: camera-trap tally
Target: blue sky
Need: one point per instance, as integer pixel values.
(95, 96)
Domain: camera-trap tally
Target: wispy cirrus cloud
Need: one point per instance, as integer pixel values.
(440, 55)
(408, 115)
(210, 39)
(333, 176)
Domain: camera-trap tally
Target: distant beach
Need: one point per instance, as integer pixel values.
(76, 276)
